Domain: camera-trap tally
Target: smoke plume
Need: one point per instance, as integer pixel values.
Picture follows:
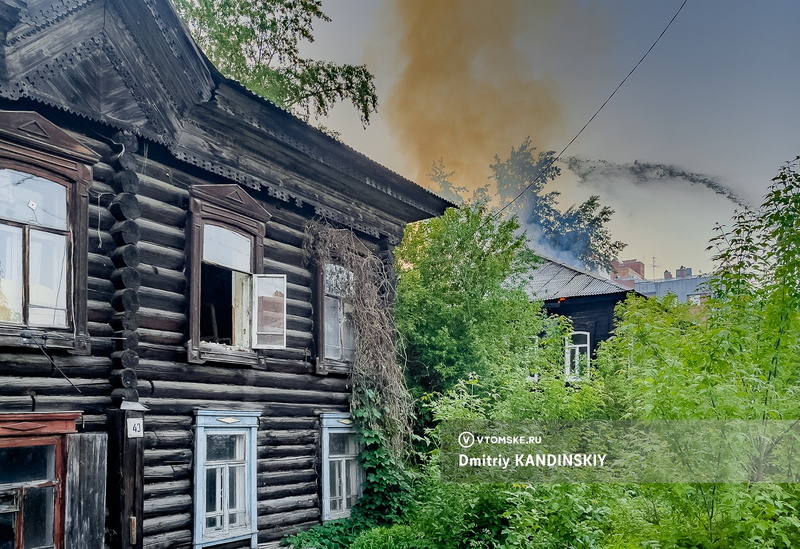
(466, 91)
(646, 173)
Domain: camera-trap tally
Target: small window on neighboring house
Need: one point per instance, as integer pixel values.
(341, 471)
(235, 308)
(336, 331)
(44, 184)
(577, 355)
(225, 477)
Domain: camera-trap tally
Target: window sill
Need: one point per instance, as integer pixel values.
(18, 336)
(330, 366)
(216, 352)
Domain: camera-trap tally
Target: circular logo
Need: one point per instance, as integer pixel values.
(466, 439)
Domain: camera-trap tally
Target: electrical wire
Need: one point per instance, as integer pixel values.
(577, 135)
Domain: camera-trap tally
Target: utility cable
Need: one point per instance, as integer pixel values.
(544, 170)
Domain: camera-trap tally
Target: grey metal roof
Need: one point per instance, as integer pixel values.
(554, 280)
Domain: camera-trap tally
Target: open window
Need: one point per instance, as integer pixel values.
(225, 477)
(577, 356)
(335, 326)
(44, 185)
(341, 472)
(235, 308)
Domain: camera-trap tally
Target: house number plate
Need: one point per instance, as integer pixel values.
(135, 427)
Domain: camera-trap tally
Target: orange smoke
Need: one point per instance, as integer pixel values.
(466, 91)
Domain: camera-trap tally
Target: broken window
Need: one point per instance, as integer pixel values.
(236, 308)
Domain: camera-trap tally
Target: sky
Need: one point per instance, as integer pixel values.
(696, 132)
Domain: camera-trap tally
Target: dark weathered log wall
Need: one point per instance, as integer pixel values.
(284, 389)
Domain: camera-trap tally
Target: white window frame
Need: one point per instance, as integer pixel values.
(255, 332)
(221, 422)
(581, 349)
(335, 423)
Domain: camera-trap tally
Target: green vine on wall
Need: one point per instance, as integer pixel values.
(381, 405)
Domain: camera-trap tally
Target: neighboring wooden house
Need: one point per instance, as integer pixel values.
(161, 355)
(586, 299)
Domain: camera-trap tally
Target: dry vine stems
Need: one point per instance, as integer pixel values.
(377, 375)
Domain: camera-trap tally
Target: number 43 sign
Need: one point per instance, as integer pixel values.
(135, 427)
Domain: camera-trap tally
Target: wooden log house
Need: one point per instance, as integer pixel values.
(163, 381)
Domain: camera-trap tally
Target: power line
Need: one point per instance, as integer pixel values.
(544, 170)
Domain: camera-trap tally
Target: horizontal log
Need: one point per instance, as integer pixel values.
(268, 522)
(167, 505)
(168, 540)
(98, 330)
(100, 265)
(283, 505)
(99, 289)
(85, 403)
(170, 523)
(286, 464)
(160, 473)
(237, 377)
(153, 298)
(161, 256)
(128, 141)
(270, 538)
(283, 253)
(126, 340)
(294, 274)
(124, 320)
(126, 232)
(101, 241)
(271, 437)
(179, 456)
(99, 216)
(169, 423)
(37, 365)
(126, 256)
(275, 422)
(161, 188)
(172, 487)
(124, 378)
(162, 337)
(158, 351)
(126, 300)
(126, 277)
(286, 450)
(155, 210)
(123, 161)
(173, 406)
(167, 439)
(125, 181)
(157, 232)
(288, 490)
(163, 279)
(125, 206)
(185, 390)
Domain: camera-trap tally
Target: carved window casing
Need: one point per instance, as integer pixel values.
(235, 309)
(45, 177)
(342, 474)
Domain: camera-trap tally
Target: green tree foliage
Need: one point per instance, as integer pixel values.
(461, 304)
(256, 42)
(581, 230)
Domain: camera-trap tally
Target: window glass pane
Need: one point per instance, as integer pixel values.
(338, 280)
(343, 444)
(10, 274)
(236, 497)
(224, 447)
(27, 463)
(352, 482)
(30, 199)
(8, 525)
(213, 491)
(270, 310)
(38, 517)
(335, 467)
(227, 248)
(332, 335)
(348, 336)
(48, 275)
